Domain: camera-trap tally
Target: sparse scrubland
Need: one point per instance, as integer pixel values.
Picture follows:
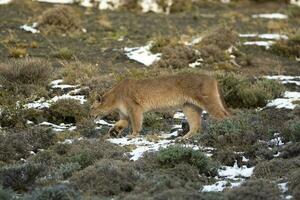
(50, 147)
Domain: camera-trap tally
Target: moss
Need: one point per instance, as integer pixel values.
(107, 178)
(255, 189)
(20, 177)
(68, 111)
(173, 155)
(61, 19)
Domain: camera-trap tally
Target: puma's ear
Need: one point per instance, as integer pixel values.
(99, 98)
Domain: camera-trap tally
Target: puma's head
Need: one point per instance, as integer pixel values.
(102, 106)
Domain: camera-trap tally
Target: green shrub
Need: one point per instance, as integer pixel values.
(294, 180)
(240, 92)
(174, 155)
(107, 178)
(276, 168)
(291, 150)
(20, 177)
(291, 130)
(68, 111)
(66, 170)
(86, 128)
(16, 144)
(57, 192)
(255, 189)
(6, 194)
(154, 121)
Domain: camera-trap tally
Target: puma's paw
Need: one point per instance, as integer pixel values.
(180, 140)
(114, 131)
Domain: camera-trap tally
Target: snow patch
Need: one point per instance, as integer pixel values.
(142, 54)
(270, 16)
(266, 44)
(2, 2)
(29, 28)
(269, 36)
(235, 171)
(56, 84)
(219, 186)
(285, 79)
(286, 101)
(57, 1)
(59, 128)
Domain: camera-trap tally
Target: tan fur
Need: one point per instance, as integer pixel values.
(191, 92)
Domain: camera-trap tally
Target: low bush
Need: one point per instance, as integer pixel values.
(255, 189)
(59, 19)
(240, 92)
(68, 111)
(291, 130)
(174, 155)
(107, 178)
(63, 53)
(276, 168)
(291, 150)
(6, 194)
(26, 71)
(79, 73)
(16, 144)
(176, 57)
(20, 177)
(57, 192)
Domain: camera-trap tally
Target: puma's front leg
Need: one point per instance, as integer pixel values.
(119, 126)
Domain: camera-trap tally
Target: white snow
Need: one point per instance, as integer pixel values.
(142, 54)
(29, 28)
(58, 128)
(2, 2)
(235, 171)
(285, 79)
(43, 103)
(295, 2)
(271, 16)
(277, 140)
(219, 186)
(102, 122)
(179, 115)
(270, 36)
(286, 101)
(196, 63)
(109, 4)
(57, 1)
(266, 44)
(142, 145)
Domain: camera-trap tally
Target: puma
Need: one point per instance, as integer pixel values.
(190, 92)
